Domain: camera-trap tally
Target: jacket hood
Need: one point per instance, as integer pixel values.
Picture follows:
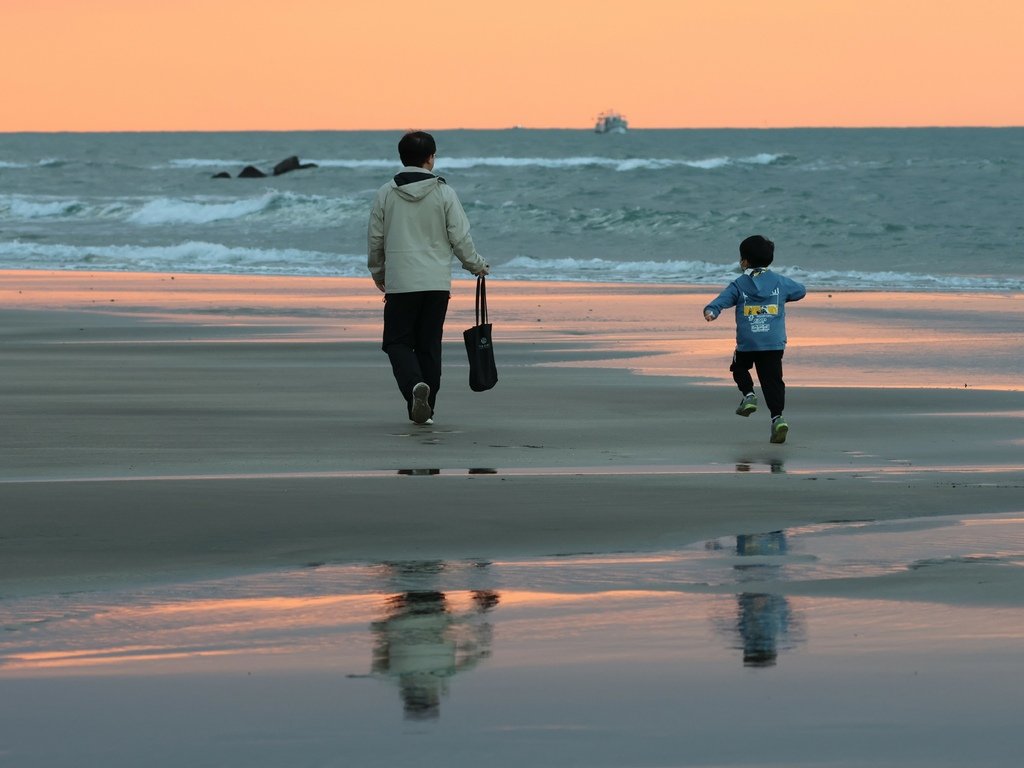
(759, 285)
(415, 183)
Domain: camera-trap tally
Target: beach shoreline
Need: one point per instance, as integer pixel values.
(158, 426)
(220, 535)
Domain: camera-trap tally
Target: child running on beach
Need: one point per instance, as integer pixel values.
(760, 299)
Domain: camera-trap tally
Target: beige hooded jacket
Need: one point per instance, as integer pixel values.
(416, 224)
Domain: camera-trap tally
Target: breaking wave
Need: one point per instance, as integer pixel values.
(462, 163)
(199, 256)
(570, 163)
(19, 207)
(286, 206)
(199, 211)
(684, 272)
(191, 256)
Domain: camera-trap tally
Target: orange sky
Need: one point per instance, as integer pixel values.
(96, 65)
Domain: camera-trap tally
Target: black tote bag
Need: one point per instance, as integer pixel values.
(483, 374)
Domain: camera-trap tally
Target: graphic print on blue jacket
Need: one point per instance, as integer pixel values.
(760, 299)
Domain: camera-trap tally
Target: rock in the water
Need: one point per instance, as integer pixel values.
(251, 172)
(221, 175)
(291, 164)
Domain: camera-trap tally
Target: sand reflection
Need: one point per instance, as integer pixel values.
(774, 466)
(765, 621)
(426, 637)
(413, 625)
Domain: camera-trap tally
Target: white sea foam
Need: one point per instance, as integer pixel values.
(703, 272)
(371, 163)
(20, 207)
(199, 210)
(284, 207)
(30, 207)
(198, 256)
(203, 162)
(463, 163)
(190, 256)
(568, 163)
(475, 162)
(288, 207)
(46, 162)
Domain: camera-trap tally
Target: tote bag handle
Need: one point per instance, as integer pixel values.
(481, 301)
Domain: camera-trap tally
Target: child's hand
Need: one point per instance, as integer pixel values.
(709, 315)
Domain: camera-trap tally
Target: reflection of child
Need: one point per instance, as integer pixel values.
(760, 299)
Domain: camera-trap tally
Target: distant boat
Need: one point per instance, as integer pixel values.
(611, 122)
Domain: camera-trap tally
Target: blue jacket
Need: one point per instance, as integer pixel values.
(760, 299)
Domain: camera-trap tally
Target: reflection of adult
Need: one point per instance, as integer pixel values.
(422, 642)
(416, 224)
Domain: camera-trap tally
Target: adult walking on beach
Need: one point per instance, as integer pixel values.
(416, 224)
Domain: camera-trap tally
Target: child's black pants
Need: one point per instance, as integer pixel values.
(768, 364)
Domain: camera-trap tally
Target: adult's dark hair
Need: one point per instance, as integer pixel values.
(415, 148)
(757, 251)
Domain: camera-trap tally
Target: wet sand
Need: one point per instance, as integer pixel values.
(158, 425)
(222, 543)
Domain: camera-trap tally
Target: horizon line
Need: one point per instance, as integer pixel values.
(986, 126)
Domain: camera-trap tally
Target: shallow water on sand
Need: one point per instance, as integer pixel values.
(850, 643)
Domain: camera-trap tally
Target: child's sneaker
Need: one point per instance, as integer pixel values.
(779, 430)
(747, 405)
(420, 410)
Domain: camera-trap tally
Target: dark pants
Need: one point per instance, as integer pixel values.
(769, 374)
(413, 325)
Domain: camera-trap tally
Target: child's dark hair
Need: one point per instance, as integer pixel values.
(415, 148)
(757, 251)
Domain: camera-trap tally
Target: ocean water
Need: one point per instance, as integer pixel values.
(883, 209)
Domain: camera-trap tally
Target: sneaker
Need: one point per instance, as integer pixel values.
(420, 410)
(747, 405)
(779, 430)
